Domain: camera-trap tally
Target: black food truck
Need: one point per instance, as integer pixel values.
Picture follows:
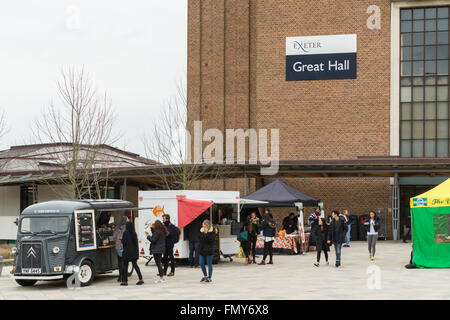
(58, 238)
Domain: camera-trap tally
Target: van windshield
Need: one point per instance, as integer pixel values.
(44, 225)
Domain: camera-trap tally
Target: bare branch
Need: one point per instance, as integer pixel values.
(75, 131)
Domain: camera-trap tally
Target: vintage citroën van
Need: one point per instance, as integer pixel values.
(58, 238)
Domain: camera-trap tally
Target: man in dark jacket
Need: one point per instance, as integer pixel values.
(193, 235)
(336, 234)
(290, 223)
(170, 242)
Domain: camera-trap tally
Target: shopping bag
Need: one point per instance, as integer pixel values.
(243, 236)
(241, 253)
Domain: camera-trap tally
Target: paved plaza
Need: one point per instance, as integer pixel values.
(290, 277)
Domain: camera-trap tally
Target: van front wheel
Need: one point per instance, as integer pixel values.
(26, 283)
(86, 274)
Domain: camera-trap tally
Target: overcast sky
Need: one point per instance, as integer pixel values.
(136, 50)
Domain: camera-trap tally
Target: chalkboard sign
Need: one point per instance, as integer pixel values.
(85, 230)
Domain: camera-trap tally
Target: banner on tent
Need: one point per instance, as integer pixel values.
(430, 202)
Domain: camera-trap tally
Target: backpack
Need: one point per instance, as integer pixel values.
(176, 234)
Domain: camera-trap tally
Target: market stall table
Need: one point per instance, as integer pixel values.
(285, 242)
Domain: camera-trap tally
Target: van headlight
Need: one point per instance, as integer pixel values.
(55, 250)
(14, 250)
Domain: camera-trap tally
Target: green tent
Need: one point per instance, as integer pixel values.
(430, 214)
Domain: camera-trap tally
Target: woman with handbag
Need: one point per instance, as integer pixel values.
(269, 229)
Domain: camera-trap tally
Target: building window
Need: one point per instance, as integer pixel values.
(424, 83)
(27, 196)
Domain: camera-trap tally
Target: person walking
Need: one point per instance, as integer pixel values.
(253, 231)
(350, 220)
(206, 249)
(170, 242)
(117, 238)
(320, 233)
(130, 253)
(336, 234)
(372, 225)
(158, 245)
(193, 235)
(269, 227)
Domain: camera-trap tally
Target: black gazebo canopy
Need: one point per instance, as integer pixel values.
(280, 194)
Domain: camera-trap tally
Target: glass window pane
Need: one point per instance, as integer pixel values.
(442, 67)
(430, 52)
(430, 67)
(430, 148)
(418, 129)
(442, 110)
(406, 130)
(418, 13)
(406, 53)
(430, 25)
(406, 14)
(443, 52)
(442, 93)
(442, 37)
(418, 81)
(405, 81)
(418, 111)
(418, 94)
(418, 26)
(430, 129)
(443, 12)
(430, 110)
(406, 111)
(406, 26)
(430, 13)
(405, 94)
(442, 80)
(442, 24)
(430, 93)
(418, 68)
(406, 68)
(418, 53)
(442, 129)
(406, 39)
(406, 148)
(430, 80)
(418, 148)
(442, 148)
(430, 38)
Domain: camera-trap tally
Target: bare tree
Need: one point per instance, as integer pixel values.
(167, 144)
(3, 126)
(75, 132)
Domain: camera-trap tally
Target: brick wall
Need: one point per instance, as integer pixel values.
(236, 79)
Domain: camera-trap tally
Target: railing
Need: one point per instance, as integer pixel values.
(3, 262)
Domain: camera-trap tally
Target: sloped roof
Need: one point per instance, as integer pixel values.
(46, 158)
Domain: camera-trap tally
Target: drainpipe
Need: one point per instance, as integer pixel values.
(395, 207)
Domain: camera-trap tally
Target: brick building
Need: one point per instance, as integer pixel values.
(396, 106)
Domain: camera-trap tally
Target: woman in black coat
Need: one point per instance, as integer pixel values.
(206, 249)
(320, 233)
(269, 229)
(158, 245)
(130, 253)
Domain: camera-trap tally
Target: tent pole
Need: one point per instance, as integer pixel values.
(299, 206)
